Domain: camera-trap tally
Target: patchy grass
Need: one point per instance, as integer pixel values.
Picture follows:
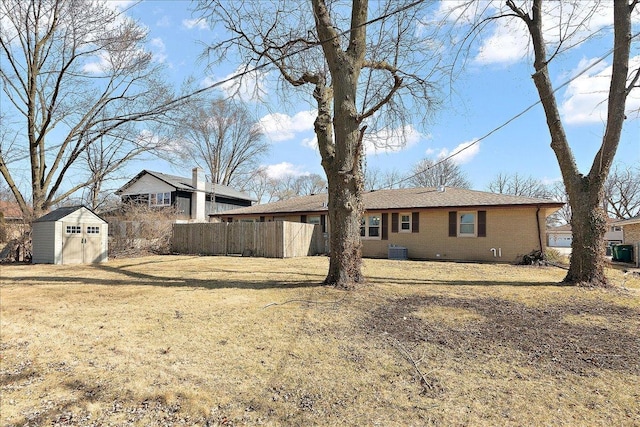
(178, 340)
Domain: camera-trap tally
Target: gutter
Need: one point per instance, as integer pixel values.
(539, 232)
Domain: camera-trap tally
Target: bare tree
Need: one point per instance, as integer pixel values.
(313, 183)
(376, 179)
(268, 189)
(294, 186)
(262, 186)
(433, 173)
(622, 192)
(559, 193)
(518, 185)
(356, 69)
(586, 192)
(73, 73)
(220, 136)
(105, 157)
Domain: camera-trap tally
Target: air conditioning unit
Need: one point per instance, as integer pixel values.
(398, 252)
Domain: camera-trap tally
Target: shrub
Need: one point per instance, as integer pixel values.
(136, 230)
(535, 257)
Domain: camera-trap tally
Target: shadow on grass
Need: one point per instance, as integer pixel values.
(144, 279)
(219, 280)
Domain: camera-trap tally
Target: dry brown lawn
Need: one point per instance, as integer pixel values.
(180, 340)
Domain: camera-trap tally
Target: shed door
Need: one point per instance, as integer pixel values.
(81, 243)
(92, 242)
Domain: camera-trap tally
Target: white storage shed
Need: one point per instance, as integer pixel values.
(70, 235)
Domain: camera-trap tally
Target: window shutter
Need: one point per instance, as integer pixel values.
(394, 222)
(453, 224)
(415, 222)
(385, 226)
(303, 218)
(482, 223)
(323, 222)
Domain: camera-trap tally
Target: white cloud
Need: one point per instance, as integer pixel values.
(383, 141)
(310, 142)
(282, 127)
(283, 170)
(586, 96)
(462, 153)
(391, 140)
(100, 64)
(164, 22)
(507, 45)
(199, 24)
(118, 5)
(159, 50)
(509, 40)
(463, 11)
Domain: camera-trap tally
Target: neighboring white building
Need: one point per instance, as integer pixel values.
(70, 235)
(562, 237)
(192, 198)
(559, 237)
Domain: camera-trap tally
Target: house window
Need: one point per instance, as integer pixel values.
(370, 227)
(142, 199)
(93, 229)
(405, 223)
(313, 219)
(160, 199)
(74, 229)
(467, 221)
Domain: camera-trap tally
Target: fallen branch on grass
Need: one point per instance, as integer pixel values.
(403, 351)
(304, 301)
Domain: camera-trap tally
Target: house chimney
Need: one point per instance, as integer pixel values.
(198, 198)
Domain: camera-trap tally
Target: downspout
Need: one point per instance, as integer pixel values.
(539, 233)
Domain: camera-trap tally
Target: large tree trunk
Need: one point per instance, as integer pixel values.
(586, 193)
(341, 153)
(588, 225)
(341, 160)
(345, 262)
(345, 183)
(40, 205)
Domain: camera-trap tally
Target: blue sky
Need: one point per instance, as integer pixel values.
(494, 87)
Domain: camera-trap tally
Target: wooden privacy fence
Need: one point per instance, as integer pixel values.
(279, 239)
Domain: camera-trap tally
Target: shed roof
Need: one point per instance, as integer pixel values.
(186, 184)
(62, 212)
(406, 198)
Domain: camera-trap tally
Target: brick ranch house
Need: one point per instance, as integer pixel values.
(433, 224)
(631, 235)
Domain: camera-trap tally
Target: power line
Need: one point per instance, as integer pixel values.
(509, 121)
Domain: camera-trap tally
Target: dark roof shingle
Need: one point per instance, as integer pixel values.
(185, 184)
(62, 212)
(406, 198)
